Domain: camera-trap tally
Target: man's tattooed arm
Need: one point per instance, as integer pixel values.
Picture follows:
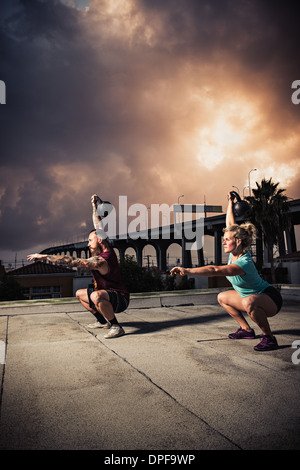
(90, 264)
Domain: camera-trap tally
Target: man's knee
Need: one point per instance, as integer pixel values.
(98, 296)
(80, 293)
(95, 297)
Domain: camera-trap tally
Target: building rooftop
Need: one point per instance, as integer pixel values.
(295, 256)
(41, 268)
(174, 381)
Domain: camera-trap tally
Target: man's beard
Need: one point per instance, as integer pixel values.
(95, 251)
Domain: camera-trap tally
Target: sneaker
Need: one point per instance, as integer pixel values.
(242, 334)
(267, 344)
(114, 332)
(97, 324)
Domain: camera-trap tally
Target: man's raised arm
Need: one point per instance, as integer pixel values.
(96, 218)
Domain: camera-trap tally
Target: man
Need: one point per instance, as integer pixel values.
(109, 295)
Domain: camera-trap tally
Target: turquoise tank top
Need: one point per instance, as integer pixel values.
(250, 282)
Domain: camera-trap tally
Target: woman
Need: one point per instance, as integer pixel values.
(251, 293)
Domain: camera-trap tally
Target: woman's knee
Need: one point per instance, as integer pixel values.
(247, 304)
(226, 297)
(221, 297)
(259, 303)
(230, 299)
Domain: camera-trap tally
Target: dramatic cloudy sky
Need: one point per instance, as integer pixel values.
(150, 99)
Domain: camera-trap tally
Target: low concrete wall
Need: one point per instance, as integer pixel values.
(173, 298)
(290, 294)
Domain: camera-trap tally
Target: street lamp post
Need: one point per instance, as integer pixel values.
(237, 189)
(244, 191)
(254, 169)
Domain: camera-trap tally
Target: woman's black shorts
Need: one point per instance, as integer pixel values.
(118, 301)
(275, 296)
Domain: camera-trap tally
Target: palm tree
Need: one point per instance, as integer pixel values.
(269, 214)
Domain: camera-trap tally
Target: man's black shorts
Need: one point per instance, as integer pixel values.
(118, 301)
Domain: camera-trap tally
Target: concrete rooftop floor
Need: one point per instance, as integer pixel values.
(173, 382)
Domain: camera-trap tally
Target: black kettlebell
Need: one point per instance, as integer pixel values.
(103, 207)
(240, 207)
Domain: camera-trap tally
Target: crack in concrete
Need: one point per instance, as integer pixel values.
(159, 387)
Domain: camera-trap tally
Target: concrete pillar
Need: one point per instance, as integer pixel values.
(218, 247)
(161, 253)
(139, 255)
(200, 257)
(186, 255)
(291, 240)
